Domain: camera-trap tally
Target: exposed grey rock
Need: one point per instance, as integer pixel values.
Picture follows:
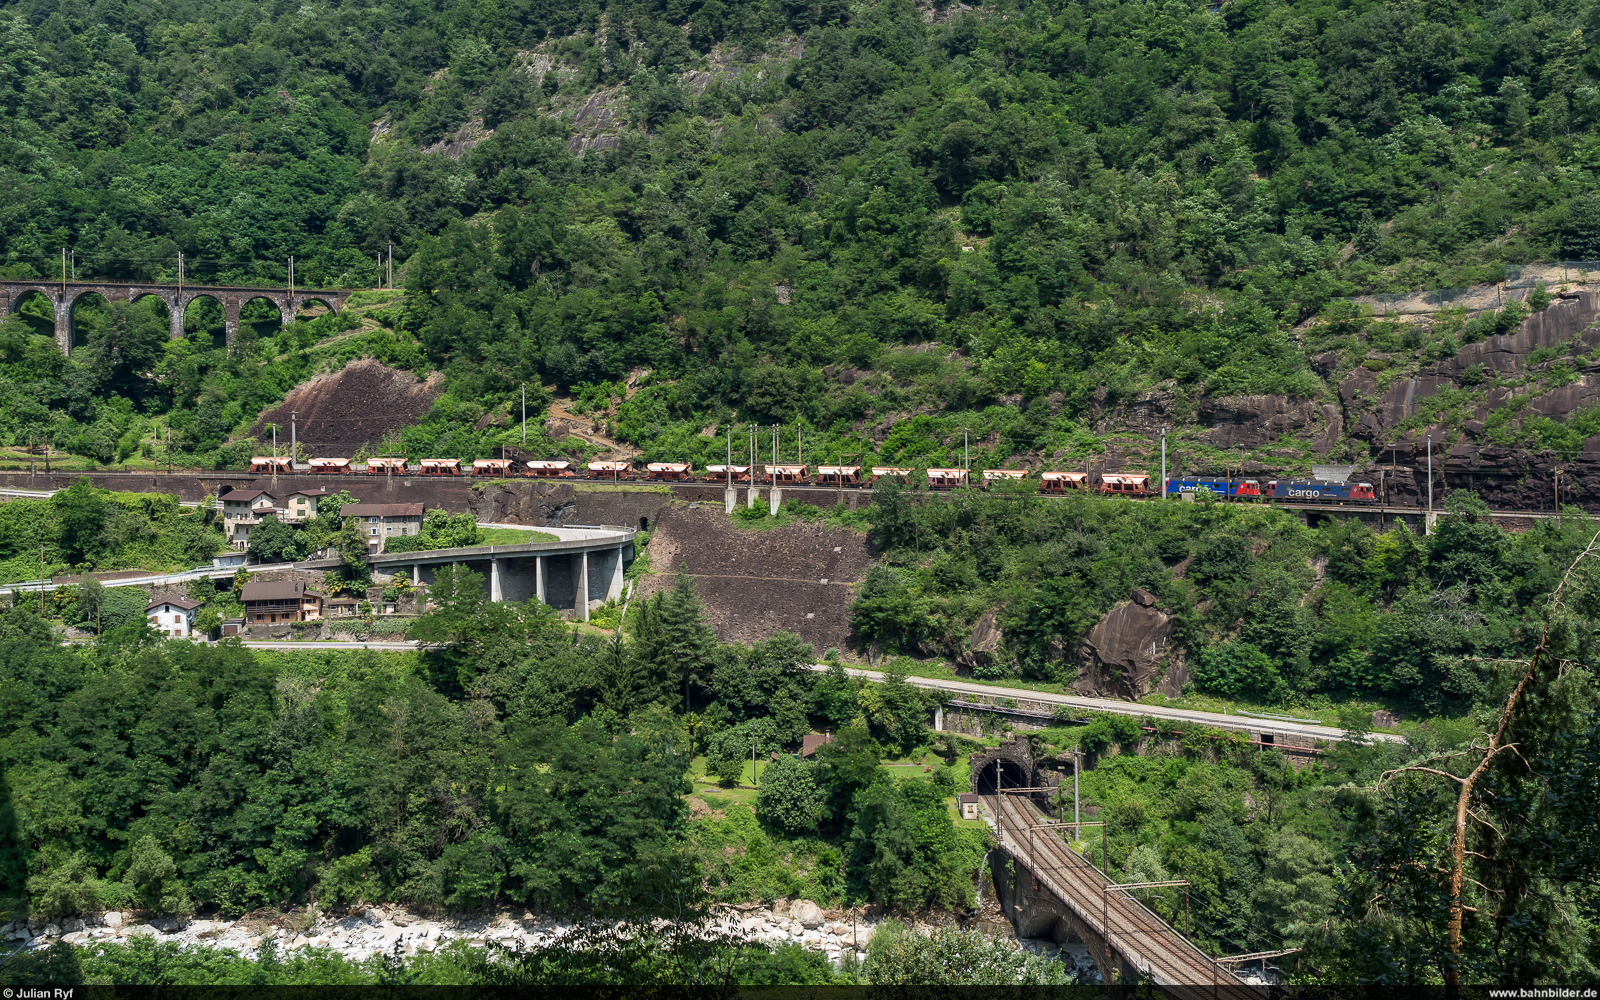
(807, 914)
(1121, 656)
(981, 645)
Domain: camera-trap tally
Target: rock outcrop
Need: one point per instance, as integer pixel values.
(1253, 421)
(535, 503)
(981, 645)
(1373, 423)
(1122, 655)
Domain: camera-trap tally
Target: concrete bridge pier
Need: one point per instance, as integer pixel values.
(1035, 913)
(589, 570)
(614, 588)
(580, 592)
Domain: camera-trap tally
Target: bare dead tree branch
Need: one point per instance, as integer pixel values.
(1497, 744)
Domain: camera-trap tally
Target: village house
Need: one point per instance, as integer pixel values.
(342, 607)
(301, 505)
(281, 601)
(243, 510)
(380, 521)
(172, 616)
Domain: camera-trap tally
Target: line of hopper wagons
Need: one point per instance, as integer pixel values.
(1130, 484)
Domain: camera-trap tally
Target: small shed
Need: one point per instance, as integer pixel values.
(812, 742)
(967, 805)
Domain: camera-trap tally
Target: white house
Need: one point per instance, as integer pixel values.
(243, 510)
(172, 616)
(302, 504)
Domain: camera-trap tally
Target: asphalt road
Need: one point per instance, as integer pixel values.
(1235, 722)
(1218, 719)
(387, 645)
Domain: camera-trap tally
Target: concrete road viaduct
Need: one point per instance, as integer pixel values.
(581, 570)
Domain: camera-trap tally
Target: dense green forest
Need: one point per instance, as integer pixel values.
(85, 527)
(1265, 609)
(515, 764)
(511, 765)
(780, 217)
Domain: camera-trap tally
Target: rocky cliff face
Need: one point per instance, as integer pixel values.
(1380, 410)
(1123, 655)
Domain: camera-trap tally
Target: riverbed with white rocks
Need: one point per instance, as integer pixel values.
(384, 930)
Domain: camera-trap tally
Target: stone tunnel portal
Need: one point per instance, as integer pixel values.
(1014, 761)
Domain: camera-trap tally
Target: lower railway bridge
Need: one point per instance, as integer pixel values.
(63, 296)
(1049, 890)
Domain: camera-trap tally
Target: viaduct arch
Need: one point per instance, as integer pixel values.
(64, 295)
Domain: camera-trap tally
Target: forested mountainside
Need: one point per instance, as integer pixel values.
(885, 221)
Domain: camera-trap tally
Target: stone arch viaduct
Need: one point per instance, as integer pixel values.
(64, 295)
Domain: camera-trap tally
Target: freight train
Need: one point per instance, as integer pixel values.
(1128, 484)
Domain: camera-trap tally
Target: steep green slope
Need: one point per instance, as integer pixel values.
(1005, 218)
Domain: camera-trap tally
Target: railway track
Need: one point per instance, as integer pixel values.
(355, 478)
(1160, 953)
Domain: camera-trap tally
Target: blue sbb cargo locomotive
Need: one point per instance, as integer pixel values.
(1317, 490)
(1303, 491)
(1232, 489)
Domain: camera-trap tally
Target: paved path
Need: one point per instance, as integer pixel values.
(381, 645)
(152, 580)
(1236, 722)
